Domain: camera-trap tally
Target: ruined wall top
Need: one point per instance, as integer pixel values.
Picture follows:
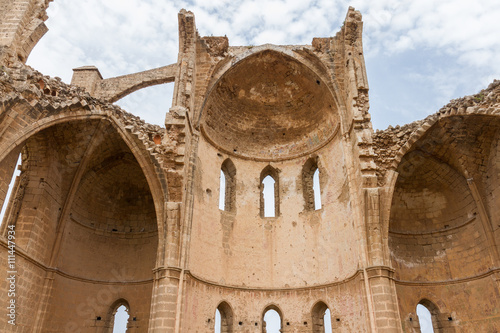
(391, 144)
(21, 27)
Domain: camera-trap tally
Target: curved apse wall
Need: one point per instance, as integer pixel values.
(269, 110)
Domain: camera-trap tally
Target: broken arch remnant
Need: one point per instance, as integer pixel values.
(97, 182)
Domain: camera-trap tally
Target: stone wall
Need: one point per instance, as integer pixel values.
(110, 210)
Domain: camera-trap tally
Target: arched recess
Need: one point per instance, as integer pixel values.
(440, 224)
(111, 315)
(86, 192)
(309, 170)
(441, 322)
(226, 318)
(320, 322)
(439, 202)
(250, 109)
(229, 171)
(272, 319)
(21, 131)
(269, 171)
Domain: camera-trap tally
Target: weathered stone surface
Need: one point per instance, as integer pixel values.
(109, 210)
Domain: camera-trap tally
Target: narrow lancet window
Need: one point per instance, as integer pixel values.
(311, 185)
(217, 321)
(227, 190)
(327, 320)
(269, 192)
(317, 190)
(222, 191)
(120, 319)
(321, 318)
(271, 322)
(223, 318)
(424, 319)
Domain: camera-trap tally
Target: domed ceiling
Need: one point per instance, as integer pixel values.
(269, 106)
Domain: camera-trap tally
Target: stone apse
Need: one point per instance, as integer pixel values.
(110, 211)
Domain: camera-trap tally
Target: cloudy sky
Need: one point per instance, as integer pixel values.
(419, 54)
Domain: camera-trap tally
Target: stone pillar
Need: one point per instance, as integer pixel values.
(164, 300)
(384, 298)
(86, 77)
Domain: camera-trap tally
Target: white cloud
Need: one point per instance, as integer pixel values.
(121, 37)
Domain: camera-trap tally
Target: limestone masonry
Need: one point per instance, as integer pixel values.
(109, 210)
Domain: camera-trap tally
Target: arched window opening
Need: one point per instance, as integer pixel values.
(217, 321)
(222, 191)
(424, 319)
(223, 318)
(327, 319)
(271, 321)
(317, 190)
(311, 184)
(269, 192)
(227, 189)
(431, 319)
(12, 185)
(321, 318)
(120, 319)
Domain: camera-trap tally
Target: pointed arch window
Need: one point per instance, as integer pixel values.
(269, 192)
(223, 318)
(311, 184)
(424, 319)
(120, 319)
(227, 189)
(272, 320)
(431, 319)
(321, 318)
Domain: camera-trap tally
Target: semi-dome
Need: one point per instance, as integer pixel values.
(269, 106)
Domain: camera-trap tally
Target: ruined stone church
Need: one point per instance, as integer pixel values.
(109, 211)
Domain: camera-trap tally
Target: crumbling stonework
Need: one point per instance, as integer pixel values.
(111, 211)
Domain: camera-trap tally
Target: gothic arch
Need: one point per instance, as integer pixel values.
(273, 307)
(318, 314)
(308, 60)
(113, 308)
(158, 185)
(226, 316)
(308, 170)
(229, 170)
(274, 174)
(441, 322)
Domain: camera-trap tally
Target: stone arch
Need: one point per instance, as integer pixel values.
(441, 322)
(137, 156)
(464, 134)
(308, 170)
(248, 115)
(274, 174)
(115, 88)
(309, 60)
(226, 316)
(150, 166)
(229, 170)
(430, 121)
(273, 307)
(113, 308)
(318, 314)
(440, 221)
